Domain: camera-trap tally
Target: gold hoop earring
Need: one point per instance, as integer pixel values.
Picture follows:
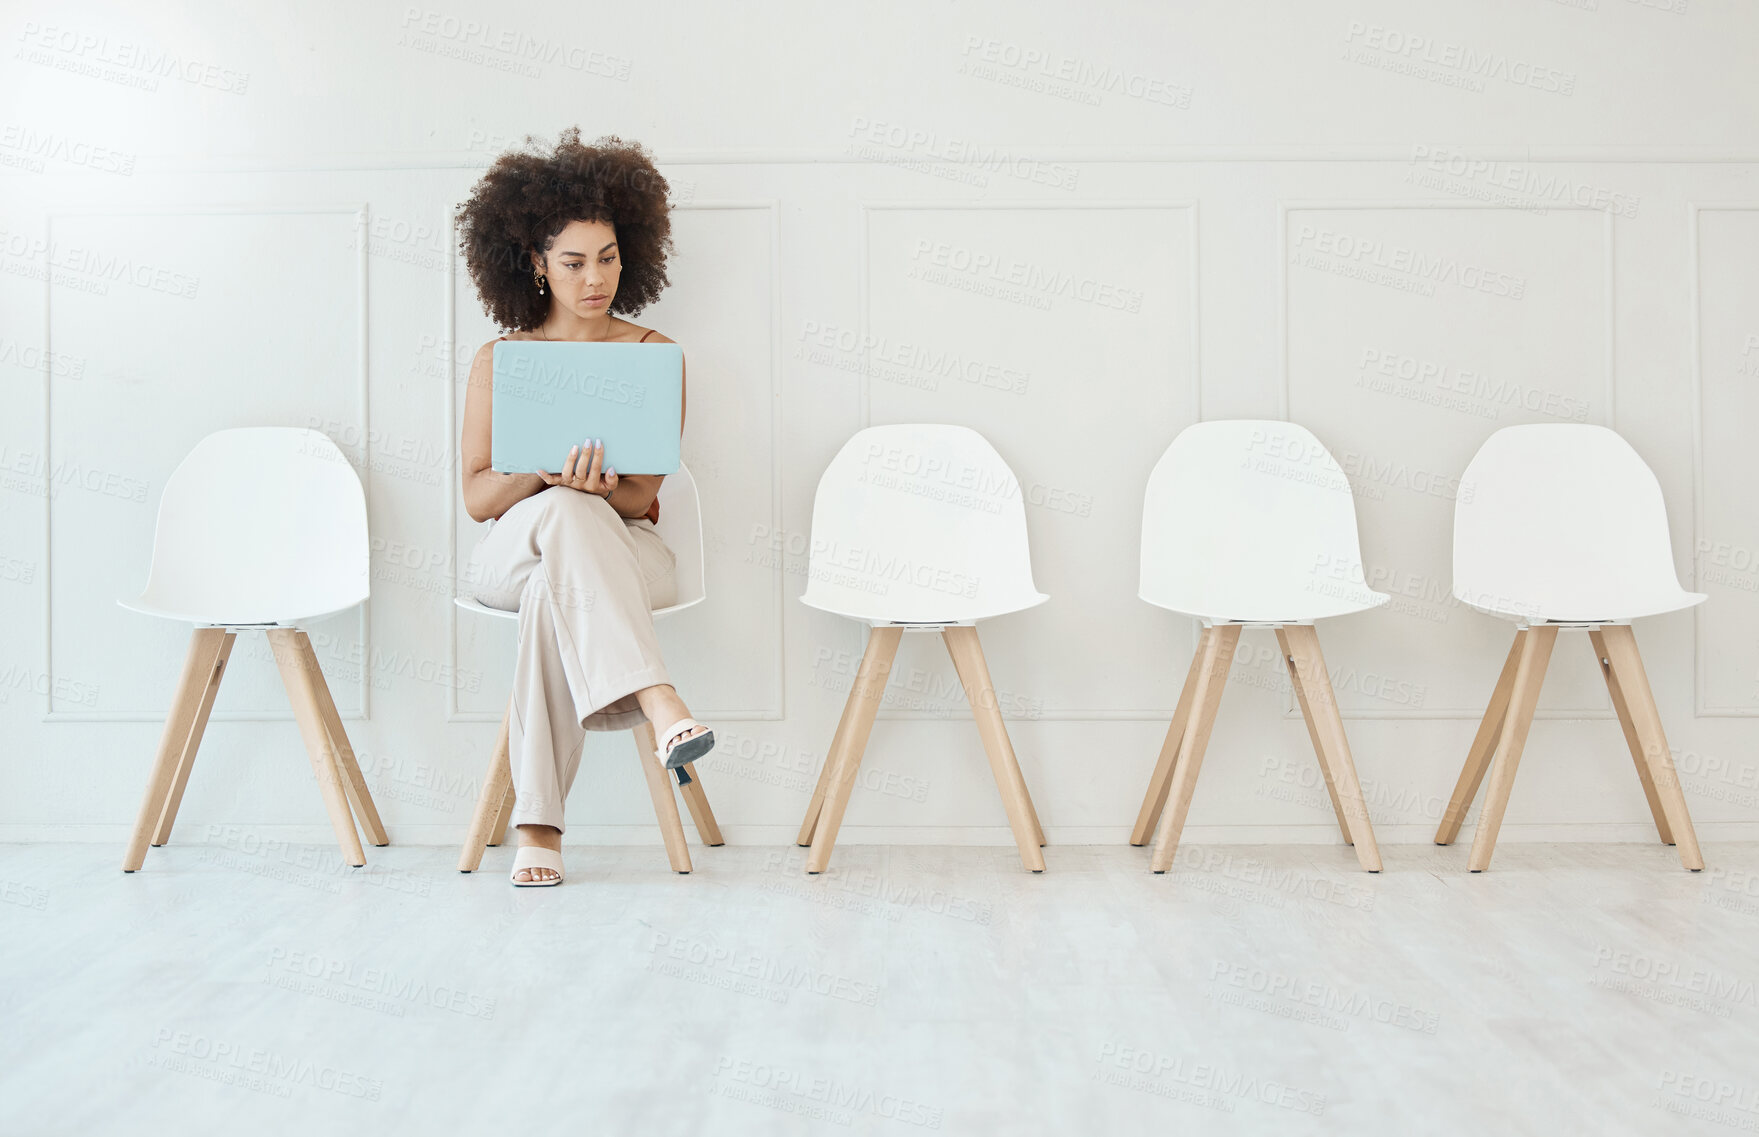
(537, 278)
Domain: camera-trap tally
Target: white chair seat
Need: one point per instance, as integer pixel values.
(207, 616)
(919, 524)
(879, 615)
(1251, 521)
(1627, 605)
(1253, 611)
(257, 527)
(1563, 523)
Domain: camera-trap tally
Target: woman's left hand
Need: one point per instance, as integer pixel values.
(582, 470)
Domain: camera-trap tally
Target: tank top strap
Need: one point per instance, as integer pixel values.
(644, 336)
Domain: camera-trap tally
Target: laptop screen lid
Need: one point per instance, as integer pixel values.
(550, 396)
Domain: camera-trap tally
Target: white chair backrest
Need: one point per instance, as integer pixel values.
(919, 523)
(1251, 520)
(260, 525)
(680, 527)
(1564, 522)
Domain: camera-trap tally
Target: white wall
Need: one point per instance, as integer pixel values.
(186, 246)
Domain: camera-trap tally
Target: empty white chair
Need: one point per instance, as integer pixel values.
(1251, 523)
(1562, 525)
(918, 527)
(258, 527)
(680, 527)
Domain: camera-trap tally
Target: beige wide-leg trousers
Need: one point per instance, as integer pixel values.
(585, 581)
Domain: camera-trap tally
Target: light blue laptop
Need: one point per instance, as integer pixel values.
(550, 396)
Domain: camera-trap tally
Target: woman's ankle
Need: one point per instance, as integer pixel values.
(547, 836)
(659, 698)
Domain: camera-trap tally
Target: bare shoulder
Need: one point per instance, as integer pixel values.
(482, 365)
(487, 351)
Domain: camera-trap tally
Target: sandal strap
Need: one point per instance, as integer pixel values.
(537, 857)
(680, 727)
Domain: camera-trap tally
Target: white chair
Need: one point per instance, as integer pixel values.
(680, 526)
(1251, 523)
(258, 528)
(1562, 525)
(918, 527)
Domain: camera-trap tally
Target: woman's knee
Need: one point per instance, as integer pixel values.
(569, 511)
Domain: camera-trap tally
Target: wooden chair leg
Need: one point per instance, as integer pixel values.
(498, 835)
(205, 646)
(1155, 799)
(992, 703)
(816, 806)
(1307, 663)
(1483, 746)
(967, 652)
(697, 801)
(1032, 816)
(1627, 666)
(352, 780)
(659, 785)
(1313, 733)
(844, 760)
(1529, 676)
(1632, 740)
(174, 797)
(493, 803)
(1212, 678)
(302, 684)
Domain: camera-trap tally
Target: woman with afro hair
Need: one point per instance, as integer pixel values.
(559, 244)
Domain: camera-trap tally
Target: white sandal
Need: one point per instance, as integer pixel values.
(535, 857)
(686, 751)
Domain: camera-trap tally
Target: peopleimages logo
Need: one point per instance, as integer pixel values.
(1469, 62)
(794, 1089)
(1279, 986)
(1716, 1094)
(1424, 267)
(267, 1063)
(87, 53)
(512, 44)
(1155, 1066)
(344, 974)
(1666, 981)
(1540, 184)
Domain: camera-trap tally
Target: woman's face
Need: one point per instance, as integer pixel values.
(583, 267)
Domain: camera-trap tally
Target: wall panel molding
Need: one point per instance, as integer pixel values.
(1190, 207)
(358, 211)
(1701, 704)
(1609, 395)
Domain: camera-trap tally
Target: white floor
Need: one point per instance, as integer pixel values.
(1593, 989)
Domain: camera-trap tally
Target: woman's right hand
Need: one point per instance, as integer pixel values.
(583, 471)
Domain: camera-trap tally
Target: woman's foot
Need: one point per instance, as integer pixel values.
(544, 837)
(663, 708)
(689, 740)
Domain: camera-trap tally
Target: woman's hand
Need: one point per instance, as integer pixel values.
(582, 470)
